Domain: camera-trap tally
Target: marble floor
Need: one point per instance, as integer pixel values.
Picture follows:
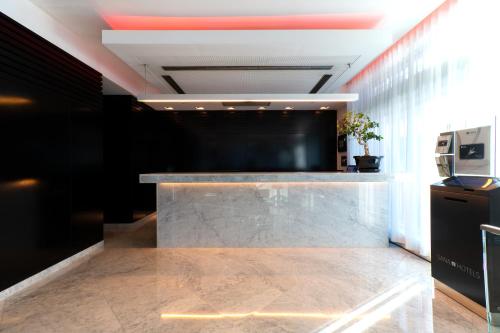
(133, 287)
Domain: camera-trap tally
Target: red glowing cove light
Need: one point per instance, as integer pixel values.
(294, 22)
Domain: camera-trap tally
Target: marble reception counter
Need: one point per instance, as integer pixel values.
(297, 209)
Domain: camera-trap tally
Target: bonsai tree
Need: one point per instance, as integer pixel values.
(361, 127)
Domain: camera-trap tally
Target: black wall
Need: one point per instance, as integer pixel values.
(238, 141)
(51, 154)
(140, 140)
(126, 199)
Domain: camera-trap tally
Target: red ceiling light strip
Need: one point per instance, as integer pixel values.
(295, 22)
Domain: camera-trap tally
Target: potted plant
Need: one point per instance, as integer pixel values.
(361, 127)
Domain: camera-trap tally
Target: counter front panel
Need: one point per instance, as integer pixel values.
(307, 210)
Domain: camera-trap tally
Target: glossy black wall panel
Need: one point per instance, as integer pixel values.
(125, 158)
(86, 178)
(239, 141)
(117, 159)
(50, 105)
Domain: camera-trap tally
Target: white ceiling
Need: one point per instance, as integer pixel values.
(347, 51)
(85, 18)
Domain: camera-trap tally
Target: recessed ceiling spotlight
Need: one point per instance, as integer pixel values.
(168, 108)
(324, 108)
(262, 107)
(289, 108)
(230, 108)
(233, 98)
(199, 108)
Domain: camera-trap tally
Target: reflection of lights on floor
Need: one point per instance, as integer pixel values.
(303, 315)
(384, 310)
(399, 294)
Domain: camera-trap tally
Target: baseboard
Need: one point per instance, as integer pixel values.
(459, 298)
(53, 271)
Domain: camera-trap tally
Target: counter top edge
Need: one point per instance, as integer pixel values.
(285, 177)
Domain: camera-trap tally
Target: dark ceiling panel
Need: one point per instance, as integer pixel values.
(320, 83)
(170, 80)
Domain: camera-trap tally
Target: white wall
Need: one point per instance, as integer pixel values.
(90, 52)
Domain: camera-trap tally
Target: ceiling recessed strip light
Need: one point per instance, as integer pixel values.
(248, 98)
(247, 68)
(240, 100)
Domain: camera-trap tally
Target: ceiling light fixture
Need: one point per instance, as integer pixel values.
(262, 107)
(230, 108)
(245, 98)
(268, 100)
(168, 108)
(289, 108)
(199, 108)
(324, 108)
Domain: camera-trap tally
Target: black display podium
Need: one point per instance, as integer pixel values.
(459, 205)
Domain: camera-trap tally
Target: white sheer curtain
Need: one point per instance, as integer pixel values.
(430, 81)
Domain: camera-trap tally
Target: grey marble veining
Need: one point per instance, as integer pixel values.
(295, 290)
(261, 177)
(272, 215)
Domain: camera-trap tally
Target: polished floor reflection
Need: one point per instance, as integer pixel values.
(132, 287)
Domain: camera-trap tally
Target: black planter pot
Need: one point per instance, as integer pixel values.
(368, 163)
